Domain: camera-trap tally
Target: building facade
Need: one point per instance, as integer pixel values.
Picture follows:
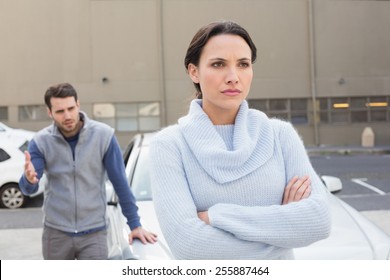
(323, 65)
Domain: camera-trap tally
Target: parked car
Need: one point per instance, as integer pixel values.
(352, 235)
(16, 136)
(12, 167)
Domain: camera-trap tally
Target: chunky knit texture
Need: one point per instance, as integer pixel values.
(237, 173)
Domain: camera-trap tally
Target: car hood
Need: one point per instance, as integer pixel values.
(352, 237)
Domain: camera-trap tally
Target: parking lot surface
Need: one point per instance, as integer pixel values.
(25, 244)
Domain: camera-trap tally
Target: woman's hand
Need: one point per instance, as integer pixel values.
(204, 216)
(297, 189)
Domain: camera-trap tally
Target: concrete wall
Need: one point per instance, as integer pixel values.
(139, 46)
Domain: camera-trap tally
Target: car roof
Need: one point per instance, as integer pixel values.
(3, 126)
(7, 144)
(16, 135)
(146, 137)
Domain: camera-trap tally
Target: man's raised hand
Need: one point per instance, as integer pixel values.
(29, 170)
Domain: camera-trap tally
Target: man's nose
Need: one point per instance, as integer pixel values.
(67, 114)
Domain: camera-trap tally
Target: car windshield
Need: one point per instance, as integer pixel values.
(140, 183)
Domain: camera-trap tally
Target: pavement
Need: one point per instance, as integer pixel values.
(21, 244)
(25, 243)
(347, 150)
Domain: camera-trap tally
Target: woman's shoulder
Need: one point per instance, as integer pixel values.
(284, 130)
(277, 124)
(168, 133)
(280, 123)
(168, 139)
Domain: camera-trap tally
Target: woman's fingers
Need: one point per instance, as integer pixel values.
(307, 193)
(297, 189)
(301, 190)
(286, 194)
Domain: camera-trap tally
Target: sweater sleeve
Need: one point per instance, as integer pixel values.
(115, 167)
(187, 236)
(38, 161)
(296, 224)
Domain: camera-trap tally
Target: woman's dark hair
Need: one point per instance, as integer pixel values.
(60, 90)
(204, 34)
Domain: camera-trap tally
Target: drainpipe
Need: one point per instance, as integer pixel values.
(313, 86)
(160, 39)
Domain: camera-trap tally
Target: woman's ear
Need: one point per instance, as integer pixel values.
(193, 73)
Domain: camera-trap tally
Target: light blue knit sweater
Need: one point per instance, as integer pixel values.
(238, 173)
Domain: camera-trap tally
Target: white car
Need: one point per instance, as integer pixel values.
(17, 136)
(352, 235)
(12, 167)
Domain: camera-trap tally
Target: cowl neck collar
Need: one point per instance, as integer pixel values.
(253, 142)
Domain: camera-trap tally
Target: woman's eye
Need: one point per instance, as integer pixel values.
(244, 65)
(217, 64)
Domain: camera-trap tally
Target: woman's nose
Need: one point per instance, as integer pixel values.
(232, 76)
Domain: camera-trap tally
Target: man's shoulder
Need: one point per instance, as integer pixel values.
(99, 126)
(48, 130)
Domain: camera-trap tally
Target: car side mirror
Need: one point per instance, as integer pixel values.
(333, 184)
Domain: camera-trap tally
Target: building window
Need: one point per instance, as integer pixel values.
(345, 110)
(33, 113)
(278, 108)
(358, 106)
(339, 112)
(3, 113)
(323, 105)
(259, 104)
(293, 110)
(299, 110)
(143, 116)
(330, 110)
(378, 108)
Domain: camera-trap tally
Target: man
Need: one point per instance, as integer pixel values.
(76, 153)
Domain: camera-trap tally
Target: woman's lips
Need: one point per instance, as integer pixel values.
(231, 92)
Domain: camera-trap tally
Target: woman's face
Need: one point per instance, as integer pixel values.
(225, 75)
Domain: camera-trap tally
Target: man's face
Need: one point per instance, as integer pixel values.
(65, 114)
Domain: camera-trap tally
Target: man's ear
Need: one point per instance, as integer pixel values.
(193, 73)
(49, 113)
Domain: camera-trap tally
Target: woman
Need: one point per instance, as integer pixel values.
(229, 183)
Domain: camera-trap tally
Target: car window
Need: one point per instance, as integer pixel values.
(3, 155)
(140, 182)
(24, 146)
(127, 152)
